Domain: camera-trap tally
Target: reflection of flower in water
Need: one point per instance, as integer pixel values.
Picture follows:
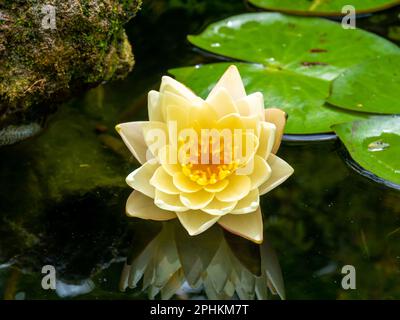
(222, 265)
(185, 181)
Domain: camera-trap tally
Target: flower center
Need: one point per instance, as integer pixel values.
(205, 174)
(208, 163)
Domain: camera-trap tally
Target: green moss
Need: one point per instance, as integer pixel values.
(43, 67)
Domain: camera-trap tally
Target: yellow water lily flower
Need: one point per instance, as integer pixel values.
(205, 161)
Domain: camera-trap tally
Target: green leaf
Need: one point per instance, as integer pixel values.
(291, 60)
(302, 97)
(375, 145)
(315, 47)
(372, 86)
(323, 7)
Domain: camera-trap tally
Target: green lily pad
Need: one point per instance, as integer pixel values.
(291, 60)
(302, 97)
(375, 145)
(372, 86)
(315, 47)
(323, 7)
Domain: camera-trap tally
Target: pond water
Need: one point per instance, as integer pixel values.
(62, 195)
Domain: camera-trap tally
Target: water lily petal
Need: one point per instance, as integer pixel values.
(140, 178)
(253, 104)
(154, 106)
(196, 221)
(219, 208)
(176, 111)
(280, 172)
(236, 121)
(132, 135)
(140, 206)
(162, 181)
(196, 200)
(278, 118)
(184, 184)
(156, 136)
(267, 139)
(238, 187)
(170, 202)
(168, 157)
(218, 186)
(171, 85)
(248, 204)
(261, 172)
(232, 82)
(249, 226)
(222, 103)
(246, 146)
(202, 116)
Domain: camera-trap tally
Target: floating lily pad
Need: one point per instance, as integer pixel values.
(302, 97)
(290, 59)
(373, 86)
(375, 145)
(315, 47)
(323, 7)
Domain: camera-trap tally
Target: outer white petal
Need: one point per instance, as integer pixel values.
(248, 204)
(278, 118)
(232, 82)
(140, 178)
(140, 206)
(170, 202)
(196, 221)
(154, 106)
(252, 104)
(249, 226)
(169, 84)
(267, 139)
(280, 172)
(155, 135)
(132, 135)
(222, 103)
(261, 172)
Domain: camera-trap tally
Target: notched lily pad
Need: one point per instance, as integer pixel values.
(373, 86)
(323, 7)
(375, 145)
(293, 68)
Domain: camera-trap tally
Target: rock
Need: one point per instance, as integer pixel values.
(52, 49)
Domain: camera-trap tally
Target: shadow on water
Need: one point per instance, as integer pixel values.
(63, 193)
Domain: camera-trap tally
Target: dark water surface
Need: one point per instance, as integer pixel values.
(62, 194)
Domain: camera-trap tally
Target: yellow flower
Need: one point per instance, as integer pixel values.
(205, 161)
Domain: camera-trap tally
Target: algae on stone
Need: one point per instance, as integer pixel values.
(41, 66)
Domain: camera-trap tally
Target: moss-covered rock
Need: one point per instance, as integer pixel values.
(45, 58)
